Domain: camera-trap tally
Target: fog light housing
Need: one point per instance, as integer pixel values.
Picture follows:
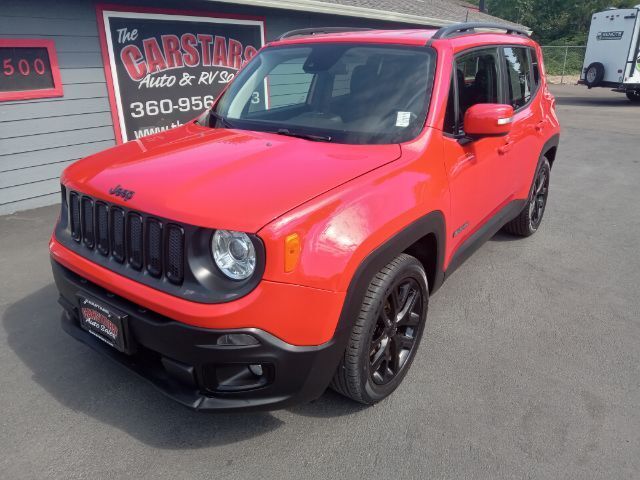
(230, 378)
(237, 340)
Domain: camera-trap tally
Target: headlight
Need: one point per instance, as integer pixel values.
(234, 254)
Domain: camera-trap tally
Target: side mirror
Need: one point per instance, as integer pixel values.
(488, 120)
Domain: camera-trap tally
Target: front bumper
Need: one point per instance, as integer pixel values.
(187, 364)
(296, 314)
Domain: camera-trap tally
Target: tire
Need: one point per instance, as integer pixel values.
(528, 221)
(381, 348)
(633, 95)
(594, 74)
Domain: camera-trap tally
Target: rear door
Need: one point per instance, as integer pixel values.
(478, 180)
(524, 142)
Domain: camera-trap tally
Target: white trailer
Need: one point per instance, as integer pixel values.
(612, 58)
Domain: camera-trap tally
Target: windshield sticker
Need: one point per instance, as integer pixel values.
(403, 118)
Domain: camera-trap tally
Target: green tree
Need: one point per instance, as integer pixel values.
(554, 22)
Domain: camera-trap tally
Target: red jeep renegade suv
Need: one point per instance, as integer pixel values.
(269, 249)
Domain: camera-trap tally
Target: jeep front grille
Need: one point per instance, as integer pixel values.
(102, 228)
(158, 252)
(175, 247)
(117, 234)
(154, 247)
(135, 241)
(74, 209)
(138, 241)
(87, 222)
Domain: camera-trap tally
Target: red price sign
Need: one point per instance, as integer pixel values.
(28, 69)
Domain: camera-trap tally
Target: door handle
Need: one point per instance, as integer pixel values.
(539, 126)
(506, 147)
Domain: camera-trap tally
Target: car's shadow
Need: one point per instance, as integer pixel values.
(329, 405)
(505, 237)
(82, 380)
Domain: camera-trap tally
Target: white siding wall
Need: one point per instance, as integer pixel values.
(39, 138)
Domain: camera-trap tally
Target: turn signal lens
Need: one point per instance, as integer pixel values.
(291, 252)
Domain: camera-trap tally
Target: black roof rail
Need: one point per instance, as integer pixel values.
(318, 31)
(470, 27)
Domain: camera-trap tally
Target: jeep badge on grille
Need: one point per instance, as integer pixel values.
(118, 191)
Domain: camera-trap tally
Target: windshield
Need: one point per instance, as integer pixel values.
(346, 93)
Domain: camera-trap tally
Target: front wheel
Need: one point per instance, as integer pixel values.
(528, 221)
(386, 334)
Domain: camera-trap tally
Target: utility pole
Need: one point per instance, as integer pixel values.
(481, 6)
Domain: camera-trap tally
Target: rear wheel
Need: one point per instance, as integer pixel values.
(385, 337)
(529, 220)
(594, 74)
(633, 95)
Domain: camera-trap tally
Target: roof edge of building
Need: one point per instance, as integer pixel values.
(315, 6)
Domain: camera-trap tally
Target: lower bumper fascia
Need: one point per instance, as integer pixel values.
(182, 360)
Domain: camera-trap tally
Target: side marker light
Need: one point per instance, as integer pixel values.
(291, 252)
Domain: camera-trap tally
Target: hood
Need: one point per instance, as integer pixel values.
(217, 178)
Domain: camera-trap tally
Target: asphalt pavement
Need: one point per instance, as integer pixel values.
(529, 367)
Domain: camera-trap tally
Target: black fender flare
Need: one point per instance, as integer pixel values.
(432, 223)
(553, 142)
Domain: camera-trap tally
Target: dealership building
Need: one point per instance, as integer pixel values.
(78, 76)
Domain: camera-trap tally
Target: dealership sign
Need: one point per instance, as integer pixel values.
(163, 68)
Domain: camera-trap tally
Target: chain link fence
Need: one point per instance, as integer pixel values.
(563, 64)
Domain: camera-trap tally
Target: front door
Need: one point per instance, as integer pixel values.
(478, 180)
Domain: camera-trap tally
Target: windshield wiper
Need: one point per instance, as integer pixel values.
(223, 121)
(306, 136)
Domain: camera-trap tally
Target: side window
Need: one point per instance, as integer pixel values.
(535, 67)
(518, 76)
(342, 78)
(341, 84)
(287, 84)
(356, 72)
(476, 76)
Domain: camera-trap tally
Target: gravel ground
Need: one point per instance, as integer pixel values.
(530, 365)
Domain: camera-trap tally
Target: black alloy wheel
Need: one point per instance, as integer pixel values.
(530, 218)
(394, 336)
(539, 196)
(386, 334)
